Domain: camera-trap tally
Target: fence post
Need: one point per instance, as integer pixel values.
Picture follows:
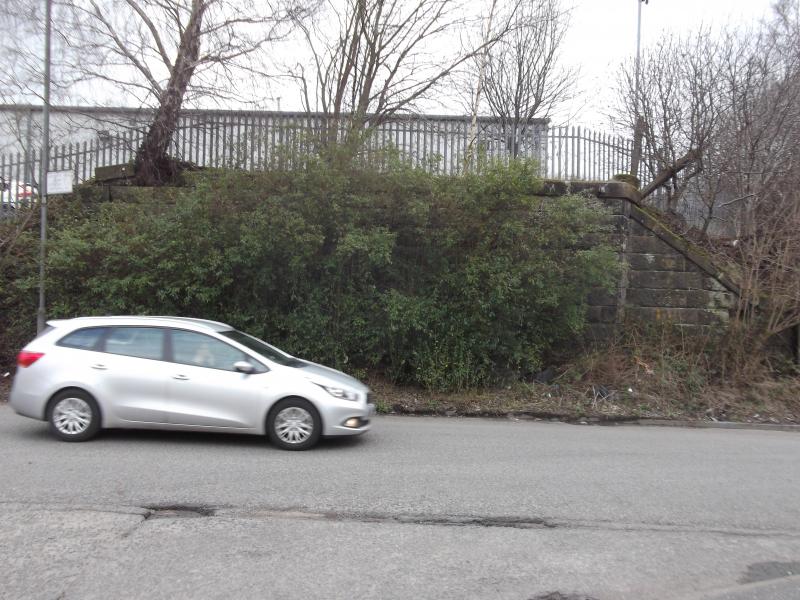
(28, 155)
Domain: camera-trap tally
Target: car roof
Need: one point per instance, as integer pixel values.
(182, 322)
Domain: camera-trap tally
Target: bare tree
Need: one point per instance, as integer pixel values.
(21, 73)
(679, 104)
(22, 52)
(728, 110)
(524, 78)
(152, 53)
(162, 51)
(758, 168)
(482, 60)
(382, 57)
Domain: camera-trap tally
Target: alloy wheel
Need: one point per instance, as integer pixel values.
(72, 416)
(294, 425)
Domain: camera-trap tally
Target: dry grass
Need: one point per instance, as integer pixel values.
(767, 402)
(663, 375)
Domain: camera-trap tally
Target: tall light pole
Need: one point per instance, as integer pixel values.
(638, 125)
(638, 48)
(41, 313)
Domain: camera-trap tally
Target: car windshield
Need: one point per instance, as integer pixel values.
(264, 349)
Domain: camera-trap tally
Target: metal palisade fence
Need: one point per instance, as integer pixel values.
(280, 140)
(575, 153)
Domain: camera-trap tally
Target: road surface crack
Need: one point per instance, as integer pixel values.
(178, 511)
(403, 519)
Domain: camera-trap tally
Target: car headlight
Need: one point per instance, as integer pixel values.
(340, 393)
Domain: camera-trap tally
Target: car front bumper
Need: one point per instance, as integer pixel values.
(350, 420)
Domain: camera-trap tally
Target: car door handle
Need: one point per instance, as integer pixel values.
(99, 367)
(181, 377)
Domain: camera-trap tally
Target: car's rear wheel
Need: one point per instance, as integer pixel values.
(73, 416)
(294, 424)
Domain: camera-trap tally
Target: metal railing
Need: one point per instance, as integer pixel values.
(272, 140)
(575, 153)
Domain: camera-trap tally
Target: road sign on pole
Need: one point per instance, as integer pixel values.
(59, 182)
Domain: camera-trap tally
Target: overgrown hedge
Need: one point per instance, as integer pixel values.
(446, 282)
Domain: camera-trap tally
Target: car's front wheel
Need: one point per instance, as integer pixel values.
(294, 424)
(73, 416)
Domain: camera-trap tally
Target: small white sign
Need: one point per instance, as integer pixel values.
(59, 182)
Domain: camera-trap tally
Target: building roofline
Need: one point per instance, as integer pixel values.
(123, 110)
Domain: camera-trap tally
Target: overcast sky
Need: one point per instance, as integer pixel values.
(603, 33)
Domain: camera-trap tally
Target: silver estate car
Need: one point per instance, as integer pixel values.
(84, 374)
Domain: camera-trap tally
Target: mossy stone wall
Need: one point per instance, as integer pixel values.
(665, 278)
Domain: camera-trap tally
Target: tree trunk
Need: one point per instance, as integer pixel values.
(662, 177)
(636, 157)
(153, 166)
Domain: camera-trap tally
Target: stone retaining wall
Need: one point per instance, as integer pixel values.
(665, 279)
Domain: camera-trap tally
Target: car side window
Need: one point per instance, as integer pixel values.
(140, 342)
(83, 339)
(199, 350)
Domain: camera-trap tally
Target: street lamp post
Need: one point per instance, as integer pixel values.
(638, 48)
(41, 313)
(638, 126)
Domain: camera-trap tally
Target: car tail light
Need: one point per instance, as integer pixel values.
(26, 359)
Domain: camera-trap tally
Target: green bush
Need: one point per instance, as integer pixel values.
(447, 282)
(19, 251)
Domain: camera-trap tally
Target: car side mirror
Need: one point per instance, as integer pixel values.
(243, 367)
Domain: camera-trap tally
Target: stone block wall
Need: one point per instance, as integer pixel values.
(666, 285)
(664, 278)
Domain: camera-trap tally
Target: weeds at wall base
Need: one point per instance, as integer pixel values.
(767, 402)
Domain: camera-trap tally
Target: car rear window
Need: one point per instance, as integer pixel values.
(83, 339)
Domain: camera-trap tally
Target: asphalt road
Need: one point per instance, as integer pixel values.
(417, 508)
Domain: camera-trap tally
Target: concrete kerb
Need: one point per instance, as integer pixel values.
(713, 424)
(603, 421)
(687, 424)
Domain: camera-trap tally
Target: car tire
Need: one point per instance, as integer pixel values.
(73, 416)
(294, 424)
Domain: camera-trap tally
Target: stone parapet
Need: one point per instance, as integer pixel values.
(666, 278)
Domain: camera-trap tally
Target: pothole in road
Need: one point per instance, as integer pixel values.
(179, 511)
(770, 570)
